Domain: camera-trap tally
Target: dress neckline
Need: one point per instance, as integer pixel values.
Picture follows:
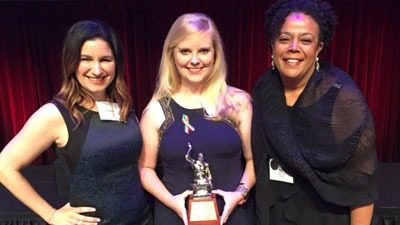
(182, 107)
(86, 110)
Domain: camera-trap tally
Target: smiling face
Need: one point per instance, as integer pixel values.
(194, 59)
(296, 47)
(96, 69)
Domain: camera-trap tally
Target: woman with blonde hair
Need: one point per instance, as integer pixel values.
(193, 104)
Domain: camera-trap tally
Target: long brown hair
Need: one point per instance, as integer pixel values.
(71, 93)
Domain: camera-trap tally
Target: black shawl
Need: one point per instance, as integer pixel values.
(326, 141)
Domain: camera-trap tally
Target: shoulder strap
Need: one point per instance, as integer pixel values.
(67, 157)
(62, 175)
(69, 121)
(169, 116)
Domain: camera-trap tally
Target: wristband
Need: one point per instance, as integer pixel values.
(243, 190)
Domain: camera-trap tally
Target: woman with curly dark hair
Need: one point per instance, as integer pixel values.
(312, 131)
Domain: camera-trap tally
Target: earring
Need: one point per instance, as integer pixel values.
(272, 62)
(317, 64)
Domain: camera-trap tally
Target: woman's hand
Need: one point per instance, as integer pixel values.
(231, 199)
(68, 215)
(179, 207)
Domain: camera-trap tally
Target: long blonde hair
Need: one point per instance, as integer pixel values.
(168, 80)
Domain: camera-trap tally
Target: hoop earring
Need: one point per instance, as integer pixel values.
(272, 62)
(317, 64)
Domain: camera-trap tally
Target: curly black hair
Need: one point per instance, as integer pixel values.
(319, 10)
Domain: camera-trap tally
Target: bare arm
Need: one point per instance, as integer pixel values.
(44, 127)
(150, 123)
(361, 215)
(39, 132)
(244, 122)
(242, 117)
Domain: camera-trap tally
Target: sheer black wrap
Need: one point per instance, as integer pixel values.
(326, 140)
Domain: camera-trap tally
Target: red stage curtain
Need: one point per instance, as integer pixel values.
(365, 45)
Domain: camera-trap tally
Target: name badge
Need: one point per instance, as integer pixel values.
(276, 173)
(108, 111)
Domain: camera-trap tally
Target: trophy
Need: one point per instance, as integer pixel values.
(203, 209)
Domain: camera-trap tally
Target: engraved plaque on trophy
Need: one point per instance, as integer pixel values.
(203, 209)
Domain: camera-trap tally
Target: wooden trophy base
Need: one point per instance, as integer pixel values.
(203, 210)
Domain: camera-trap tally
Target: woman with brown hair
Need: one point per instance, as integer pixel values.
(96, 134)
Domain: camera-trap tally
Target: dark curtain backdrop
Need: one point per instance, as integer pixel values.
(366, 45)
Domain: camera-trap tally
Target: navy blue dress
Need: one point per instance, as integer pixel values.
(100, 160)
(221, 146)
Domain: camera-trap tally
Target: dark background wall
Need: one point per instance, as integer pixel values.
(31, 34)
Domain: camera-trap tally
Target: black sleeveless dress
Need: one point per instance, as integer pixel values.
(221, 145)
(100, 160)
